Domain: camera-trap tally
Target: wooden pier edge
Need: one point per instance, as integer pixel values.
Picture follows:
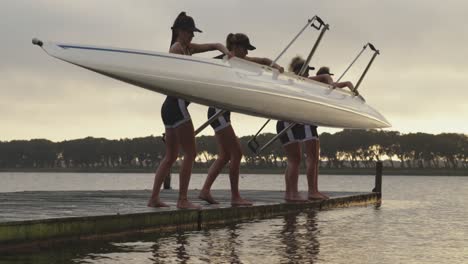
(24, 235)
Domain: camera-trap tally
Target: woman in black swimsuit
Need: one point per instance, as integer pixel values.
(228, 143)
(176, 118)
(307, 134)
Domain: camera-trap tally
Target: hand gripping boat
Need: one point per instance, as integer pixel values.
(234, 84)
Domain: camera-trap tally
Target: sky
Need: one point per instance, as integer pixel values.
(419, 82)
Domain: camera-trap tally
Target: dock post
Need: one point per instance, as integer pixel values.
(378, 183)
(167, 181)
(378, 177)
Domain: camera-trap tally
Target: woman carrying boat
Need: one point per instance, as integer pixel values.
(177, 121)
(307, 134)
(228, 143)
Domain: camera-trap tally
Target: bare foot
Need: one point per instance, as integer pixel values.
(186, 204)
(317, 196)
(294, 198)
(206, 196)
(156, 203)
(240, 202)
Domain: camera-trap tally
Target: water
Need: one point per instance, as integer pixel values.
(422, 220)
(16, 182)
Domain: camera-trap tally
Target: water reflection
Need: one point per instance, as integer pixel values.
(221, 245)
(299, 235)
(419, 222)
(181, 251)
(233, 243)
(287, 239)
(313, 247)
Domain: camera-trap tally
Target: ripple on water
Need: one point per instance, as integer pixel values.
(422, 220)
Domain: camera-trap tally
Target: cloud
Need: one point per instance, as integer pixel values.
(420, 74)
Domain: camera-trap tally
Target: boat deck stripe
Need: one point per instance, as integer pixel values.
(139, 53)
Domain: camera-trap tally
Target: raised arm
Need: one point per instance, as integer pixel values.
(265, 61)
(325, 78)
(199, 48)
(344, 84)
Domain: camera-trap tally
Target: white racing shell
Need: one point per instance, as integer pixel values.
(235, 84)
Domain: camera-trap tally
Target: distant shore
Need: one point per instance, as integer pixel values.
(325, 171)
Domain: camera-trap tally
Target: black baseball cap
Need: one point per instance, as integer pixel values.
(185, 22)
(243, 40)
(297, 68)
(324, 70)
(296, 65)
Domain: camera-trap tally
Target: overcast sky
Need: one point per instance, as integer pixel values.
(418, 82)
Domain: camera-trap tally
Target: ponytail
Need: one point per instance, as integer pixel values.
(174, 30)
(174, 37)
(230, 40)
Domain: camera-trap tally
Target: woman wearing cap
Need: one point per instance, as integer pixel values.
(311, 139)
(179, 127)
(228, 143)
(308, 134)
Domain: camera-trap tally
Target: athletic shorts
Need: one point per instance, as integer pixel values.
(174, 112)
(297, 133)
(310, 132)
(222, 121)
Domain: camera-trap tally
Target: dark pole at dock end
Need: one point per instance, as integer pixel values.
(167, 181)
(378, 177)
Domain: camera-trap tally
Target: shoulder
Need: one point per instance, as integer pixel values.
(324, 78)
(176, 48)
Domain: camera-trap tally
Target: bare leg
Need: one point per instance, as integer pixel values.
(186, 138)
(312, 148)
(229, 150)
(293, 153)
(172, 151)
(235, 150)
(214, 170)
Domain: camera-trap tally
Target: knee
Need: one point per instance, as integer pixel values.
(223, 158)
(190, 156)
(313, 157)
(294, 161)
(236, 156)
(170, 158)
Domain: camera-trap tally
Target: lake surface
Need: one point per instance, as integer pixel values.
(422, 220)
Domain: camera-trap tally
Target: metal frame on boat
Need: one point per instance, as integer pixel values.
(254, 145)
(256, 148)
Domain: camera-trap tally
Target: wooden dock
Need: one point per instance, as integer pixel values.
(36, 219)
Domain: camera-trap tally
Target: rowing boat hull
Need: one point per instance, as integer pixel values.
(233, 84)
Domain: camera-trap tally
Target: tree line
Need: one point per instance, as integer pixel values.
(347, 148)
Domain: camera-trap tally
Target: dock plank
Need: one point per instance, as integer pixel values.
(36, 205)
(37, 217)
